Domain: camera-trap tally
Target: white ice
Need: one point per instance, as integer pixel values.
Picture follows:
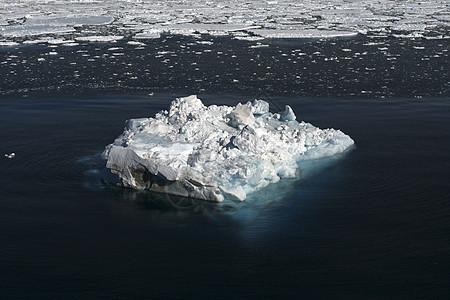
(304, 33)
(99, 38)
(32, 30)
(10, 155)
(273, 19)
(217, 152)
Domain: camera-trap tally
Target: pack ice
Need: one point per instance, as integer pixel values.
(217, 152)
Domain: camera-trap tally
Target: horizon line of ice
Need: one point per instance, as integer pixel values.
(215, 152)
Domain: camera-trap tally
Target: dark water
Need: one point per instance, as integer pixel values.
(369, 67)
(371, 223)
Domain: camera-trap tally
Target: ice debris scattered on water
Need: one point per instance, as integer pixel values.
(10, 155)
(217, 152)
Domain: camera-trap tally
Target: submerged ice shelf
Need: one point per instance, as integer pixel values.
(217, 152)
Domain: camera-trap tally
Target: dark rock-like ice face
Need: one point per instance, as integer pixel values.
(217, 152)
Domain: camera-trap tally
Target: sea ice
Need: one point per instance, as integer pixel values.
(303, 33)
(31, 19)
(31, 30)
(217, 152)
(99, 38)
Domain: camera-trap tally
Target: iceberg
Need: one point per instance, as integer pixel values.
(215, 152)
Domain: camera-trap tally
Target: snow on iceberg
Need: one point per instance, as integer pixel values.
(217, 152)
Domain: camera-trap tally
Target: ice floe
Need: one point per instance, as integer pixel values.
(99, 38)
(217, 152)
(306, 33)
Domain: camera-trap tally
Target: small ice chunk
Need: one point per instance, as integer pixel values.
(134, 124)
(259, 107)
(288, 114)
(241, 115)
(10, 155)
(234, 192)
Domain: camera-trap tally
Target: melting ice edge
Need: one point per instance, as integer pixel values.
(215, 152)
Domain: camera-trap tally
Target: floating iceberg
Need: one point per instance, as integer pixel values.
(217, 152)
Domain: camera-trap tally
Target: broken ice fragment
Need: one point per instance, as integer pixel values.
(11, 155)
(288, 114)
(241, 115)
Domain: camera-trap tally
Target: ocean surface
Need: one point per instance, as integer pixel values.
(372, 222)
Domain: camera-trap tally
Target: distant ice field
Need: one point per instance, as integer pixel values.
(28, 20)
